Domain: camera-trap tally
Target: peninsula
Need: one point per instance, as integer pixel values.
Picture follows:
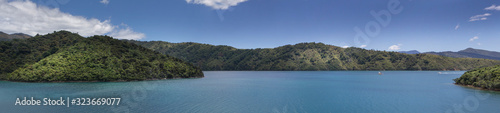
(64, 57)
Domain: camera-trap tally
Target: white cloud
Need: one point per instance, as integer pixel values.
(105, 2)
(493, 7)
(30, 18)
(345, 46)
(458, 26)
(479, 17)
(395, 47)
(478, 43)
(474, 38)
(217, 4)
(362, 46)
(127, 33)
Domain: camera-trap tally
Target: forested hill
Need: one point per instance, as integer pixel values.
(486, 78)
(65, 56)
(308, 56)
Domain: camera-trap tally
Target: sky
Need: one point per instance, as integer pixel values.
(390, 25)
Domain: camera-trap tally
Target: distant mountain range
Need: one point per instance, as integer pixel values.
(467, 53)
(5, 36)
(410, 52)
(470, 53)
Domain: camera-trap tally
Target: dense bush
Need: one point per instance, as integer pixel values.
(487, 78)
(97, 58)
(20, 52)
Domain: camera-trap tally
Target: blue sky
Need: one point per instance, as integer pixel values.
(424, 25)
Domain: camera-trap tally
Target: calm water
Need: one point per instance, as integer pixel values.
(268, 92)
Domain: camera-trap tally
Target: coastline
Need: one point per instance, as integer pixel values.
(104, 81)
(338, 70)
(478, 88)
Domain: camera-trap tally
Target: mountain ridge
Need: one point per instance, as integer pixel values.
(307, 56)
(470, 53)
(7, 37)
(410, 52)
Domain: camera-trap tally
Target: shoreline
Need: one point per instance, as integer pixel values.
(478, 88)
(327, 70)
(102, 81)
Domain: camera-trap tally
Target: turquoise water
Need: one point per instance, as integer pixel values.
(268, 92)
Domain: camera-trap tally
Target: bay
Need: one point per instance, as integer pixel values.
(268, 92)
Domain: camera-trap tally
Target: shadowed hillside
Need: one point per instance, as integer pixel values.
(470, 53)
(7, 37)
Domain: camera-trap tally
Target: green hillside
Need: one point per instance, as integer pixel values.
(20, 52)
(69, 57)
(487, 78)
(308, 56)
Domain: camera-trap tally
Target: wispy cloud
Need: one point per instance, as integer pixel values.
(474, 38)
(479, 17)
(457, 26)
(362, 46)
(30, 18)
(493, 7)
(345, 46)
(395, 47)
(478, 43)
(217, 4)
(105, 2)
